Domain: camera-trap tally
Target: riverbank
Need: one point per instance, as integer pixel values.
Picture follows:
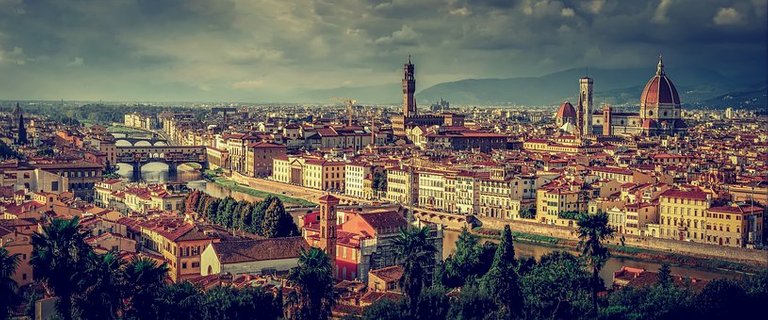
(115, 128)
(629, 252)
(234, 186)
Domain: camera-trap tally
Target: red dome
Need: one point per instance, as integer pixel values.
(659, 90)
(566, 111)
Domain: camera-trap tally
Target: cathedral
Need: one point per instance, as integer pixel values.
(660, 111)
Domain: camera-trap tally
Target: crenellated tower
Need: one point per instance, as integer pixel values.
(409, 89)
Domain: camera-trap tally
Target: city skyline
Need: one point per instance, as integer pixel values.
(270, 51)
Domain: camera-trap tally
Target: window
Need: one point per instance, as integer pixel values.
(195, 264)
(183, 265)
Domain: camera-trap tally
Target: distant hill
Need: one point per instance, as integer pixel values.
(615, 86)
(387, 93)
(754, 100)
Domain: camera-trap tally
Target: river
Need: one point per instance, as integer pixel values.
(158, 172)
(527, 249)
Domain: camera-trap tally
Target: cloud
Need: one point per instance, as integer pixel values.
(76, 62)
(248, 84)
(727, 16)
(175, 49)
(660, 16)
(15, 56)
(405, 36)
(463, 11)
(594, 6)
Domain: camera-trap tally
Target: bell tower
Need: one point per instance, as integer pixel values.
(585, 94)
(409, 88)
(328, 205)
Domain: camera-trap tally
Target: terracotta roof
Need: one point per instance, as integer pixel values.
(329, 198)
(685, 194)
(659, 89)
(566, 111)
(744, 209)
(389, 274)
(259, 250)
(384, 219)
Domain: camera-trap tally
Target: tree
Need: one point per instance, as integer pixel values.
(190, 203)
(556, 288)
(433, 304)
(501, 281)
(386, 309)
(415, 251)
(471, 304)
(8, 264)
(144, 282)
(277, 223)
(380, 180)
(464, 262)
(593, 230)
(722, 299)
(177, 301)
(227, 303)
(313, 280)
(58, 257)
(101, 288)
(664, 276)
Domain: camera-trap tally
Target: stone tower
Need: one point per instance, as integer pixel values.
(409, 88)
(328, 205)
(21, 133)
(585, 94)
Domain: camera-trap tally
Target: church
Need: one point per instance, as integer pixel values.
(660, 111)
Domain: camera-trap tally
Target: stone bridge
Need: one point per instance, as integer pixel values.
(170, 155)
(448, 220)
(142, 139)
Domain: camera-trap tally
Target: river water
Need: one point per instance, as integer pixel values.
(158, 172)
(527, 249)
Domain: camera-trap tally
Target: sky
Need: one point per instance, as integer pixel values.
(268, 50)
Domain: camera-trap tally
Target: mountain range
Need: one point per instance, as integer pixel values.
(697, 87)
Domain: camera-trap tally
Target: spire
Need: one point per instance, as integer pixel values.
(409, 58)
(660, 67)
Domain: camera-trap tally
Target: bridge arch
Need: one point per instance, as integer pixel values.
(142, 143)
(123, 143)
(160, 143)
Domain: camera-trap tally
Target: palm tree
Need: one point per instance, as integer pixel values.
(415, 251)
(313, 282)
(58, 258)
(593, 230)
(8, 264)
(144, 279)
(102, 287)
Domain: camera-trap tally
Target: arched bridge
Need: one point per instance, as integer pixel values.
(170, 155)
(142, 139)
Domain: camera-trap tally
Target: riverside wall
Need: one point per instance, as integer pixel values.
(699, 250)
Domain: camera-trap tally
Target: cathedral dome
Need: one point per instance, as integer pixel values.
(566, 111)
(659, 90)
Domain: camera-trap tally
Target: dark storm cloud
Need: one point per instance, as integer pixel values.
(264, 49)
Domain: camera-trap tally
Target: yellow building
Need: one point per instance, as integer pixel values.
(431, 189)
(323, 174)
(401, 186)
(179, 243)
(555, 201)
(682, 214)
(358, 178)
(734, 225)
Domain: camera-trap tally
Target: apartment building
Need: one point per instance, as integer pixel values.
(682, 214)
